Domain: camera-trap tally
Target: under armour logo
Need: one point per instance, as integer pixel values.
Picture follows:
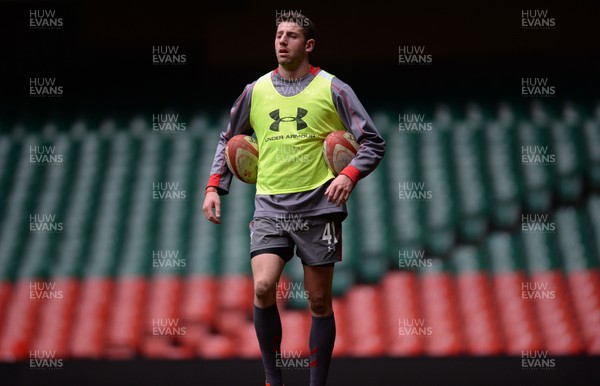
(300, 124)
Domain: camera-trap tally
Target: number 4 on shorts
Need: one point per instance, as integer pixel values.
(329, 233)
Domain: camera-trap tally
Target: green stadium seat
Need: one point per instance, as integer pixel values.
(470, 183)
(480, 240)
(504, 187)
(440, 211)
(570, 178)
(403, 167)
(591, 130)
(539, 247)
(345, 272)
(372, 261)
(574, 240)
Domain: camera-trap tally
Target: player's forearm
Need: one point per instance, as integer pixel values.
(239, 123)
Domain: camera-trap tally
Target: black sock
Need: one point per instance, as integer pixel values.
(322, 338)
(268, 331)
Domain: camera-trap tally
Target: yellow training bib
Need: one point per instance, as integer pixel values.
(290, 132)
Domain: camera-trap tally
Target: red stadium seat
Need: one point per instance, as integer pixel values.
(164, 301)
(517, 316)
(20, 323)
(128, 310)
(556, 316)
(585, 293)
(5, 294)
(246, 342)
(363, 304)
(236, 292)
(217, 347)
(400, 297)
(56, 318)
(91, 318)
(200, 300)
(296, 329)
(342, 343)
(163, 348)
(441, 314)
(231, 322)
(479, 314)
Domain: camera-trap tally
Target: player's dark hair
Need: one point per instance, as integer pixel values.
(308, 27)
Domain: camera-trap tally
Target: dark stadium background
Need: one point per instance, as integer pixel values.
(480, 53)
(102, 58)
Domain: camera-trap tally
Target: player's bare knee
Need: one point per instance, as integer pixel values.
(264, 290)
(320, 304)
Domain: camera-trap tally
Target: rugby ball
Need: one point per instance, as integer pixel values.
(241, 154)
(339, 148)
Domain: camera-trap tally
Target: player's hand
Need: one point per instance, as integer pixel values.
(339, 190)
(212, 207)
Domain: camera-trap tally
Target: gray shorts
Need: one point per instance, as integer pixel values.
(317, 239)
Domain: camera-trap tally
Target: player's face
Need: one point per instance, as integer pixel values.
(290, 45)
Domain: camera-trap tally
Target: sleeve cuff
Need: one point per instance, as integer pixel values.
(214, 180)
(352, 173)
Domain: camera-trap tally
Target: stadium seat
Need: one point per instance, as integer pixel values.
(125, 326)
(477, 306)
(400, 291)
(91, 317)
(495, 230)
(438, 299)
(364, 321)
